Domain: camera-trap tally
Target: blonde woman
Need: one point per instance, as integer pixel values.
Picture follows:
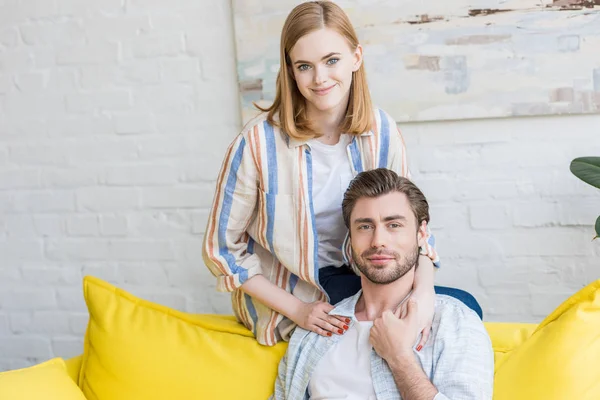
(275, 235)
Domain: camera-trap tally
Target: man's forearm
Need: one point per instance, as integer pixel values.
(411, 381)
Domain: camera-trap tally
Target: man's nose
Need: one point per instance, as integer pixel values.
(378, 239)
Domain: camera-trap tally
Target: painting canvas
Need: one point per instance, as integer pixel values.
(451, 59)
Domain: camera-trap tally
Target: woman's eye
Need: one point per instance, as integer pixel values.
(332, 61)
(303, 67)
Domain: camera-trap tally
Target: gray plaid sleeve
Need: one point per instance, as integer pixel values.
(464, 366)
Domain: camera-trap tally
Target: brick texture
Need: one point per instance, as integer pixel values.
(115, 116)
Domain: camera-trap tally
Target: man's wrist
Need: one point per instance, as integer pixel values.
(410, 379)
(402, 360)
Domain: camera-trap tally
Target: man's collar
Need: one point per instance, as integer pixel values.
(346, 307)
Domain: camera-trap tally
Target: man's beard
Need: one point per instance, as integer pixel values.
(388, 274)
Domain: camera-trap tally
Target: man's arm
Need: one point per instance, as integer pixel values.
(279, 393)
(393, 339)
(410, 379)
(463, 360)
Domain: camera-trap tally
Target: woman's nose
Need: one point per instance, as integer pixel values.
(320, 76)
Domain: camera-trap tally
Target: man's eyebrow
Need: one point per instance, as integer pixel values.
(395, 217)
(323, 58)
(386, 219)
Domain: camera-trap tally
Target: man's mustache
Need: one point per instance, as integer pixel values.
(376, 252)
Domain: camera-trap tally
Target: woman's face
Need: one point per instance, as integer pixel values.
(322, 63)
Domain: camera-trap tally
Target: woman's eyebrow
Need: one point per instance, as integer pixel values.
(322, 58)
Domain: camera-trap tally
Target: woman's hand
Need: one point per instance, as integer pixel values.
(314, 317)
(424, 313)
(424, 294)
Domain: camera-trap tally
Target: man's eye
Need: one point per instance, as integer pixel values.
(364, 227)
(395, 226)
(303, 67)
(332, 61)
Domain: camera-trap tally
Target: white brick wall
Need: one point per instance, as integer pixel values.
(114, 117)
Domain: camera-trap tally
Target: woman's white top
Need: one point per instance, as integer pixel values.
(331, 175)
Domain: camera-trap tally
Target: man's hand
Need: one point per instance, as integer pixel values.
(315, 317)
(393, 336)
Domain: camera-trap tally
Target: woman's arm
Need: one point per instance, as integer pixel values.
(423, 290)
(313, 317)
(424, 293)
(225, 248)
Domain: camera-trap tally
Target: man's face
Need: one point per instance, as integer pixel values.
(385, 237)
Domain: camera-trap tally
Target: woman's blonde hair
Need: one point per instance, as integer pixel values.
(289, 104)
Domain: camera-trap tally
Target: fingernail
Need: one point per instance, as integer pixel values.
(345, 327)
(347, 320)
(328, 333)
(419, 347)
(340, 331)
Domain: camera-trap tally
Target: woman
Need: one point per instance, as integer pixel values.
(275, 233)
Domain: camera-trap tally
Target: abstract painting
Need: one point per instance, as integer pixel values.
(450, 59)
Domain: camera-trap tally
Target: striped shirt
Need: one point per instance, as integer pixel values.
(458, 357)
(262, 219)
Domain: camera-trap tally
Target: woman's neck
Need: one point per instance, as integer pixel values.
(327, 123)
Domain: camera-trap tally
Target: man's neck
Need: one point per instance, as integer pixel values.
(376, 299)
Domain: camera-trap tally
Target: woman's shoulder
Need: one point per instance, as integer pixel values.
(382, 118)
(383, 124)
(259, 122)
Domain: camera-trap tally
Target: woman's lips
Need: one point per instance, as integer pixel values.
(323, 92)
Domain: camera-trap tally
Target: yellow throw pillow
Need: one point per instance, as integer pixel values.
(506, 336)
(560, 360)
(46, 381)
(135, 349)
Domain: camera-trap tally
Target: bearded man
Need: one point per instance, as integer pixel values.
(378, 356)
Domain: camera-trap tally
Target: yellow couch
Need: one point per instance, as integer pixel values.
(135, 349)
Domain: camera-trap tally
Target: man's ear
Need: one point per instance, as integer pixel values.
(422, 234)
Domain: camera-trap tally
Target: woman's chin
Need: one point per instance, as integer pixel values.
(325, 106)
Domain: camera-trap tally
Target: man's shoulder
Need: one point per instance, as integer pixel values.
(344, 307)
(451, 311)
(454, 322)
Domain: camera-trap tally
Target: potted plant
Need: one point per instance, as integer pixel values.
(588, 170)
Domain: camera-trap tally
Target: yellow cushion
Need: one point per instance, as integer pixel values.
(73, 367)
(135, 349)
(46, 381)
(506, 336)
(560, 360)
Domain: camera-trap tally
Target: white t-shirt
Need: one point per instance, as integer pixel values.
(344, 372)
(331, 175)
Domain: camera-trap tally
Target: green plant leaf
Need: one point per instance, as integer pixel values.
(587, 169)
(597, 228)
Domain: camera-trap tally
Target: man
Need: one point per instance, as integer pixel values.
(376, 358)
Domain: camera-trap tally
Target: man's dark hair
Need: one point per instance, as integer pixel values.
(381, 181)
